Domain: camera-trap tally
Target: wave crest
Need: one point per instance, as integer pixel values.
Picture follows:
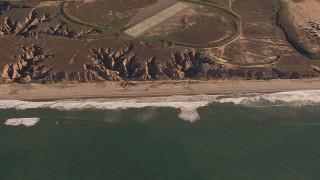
(187, 104)
(22, 121)
(290, 98)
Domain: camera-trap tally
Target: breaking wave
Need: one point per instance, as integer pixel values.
(290, 98)
(22, 121)
(187, 104)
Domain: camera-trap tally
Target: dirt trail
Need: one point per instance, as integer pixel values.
(76, 54)
(240, 25)
(222, 48)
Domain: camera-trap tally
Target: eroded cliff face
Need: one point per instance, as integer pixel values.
(28, 66)
(55, 48)
(5, 6)
(124, 64)
(32, 25)
(13, 25)
(60, 30)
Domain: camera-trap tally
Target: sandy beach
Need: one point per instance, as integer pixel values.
(141, 89)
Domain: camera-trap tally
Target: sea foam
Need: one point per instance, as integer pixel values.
(22, 121)
(290, 98)
(187, 104)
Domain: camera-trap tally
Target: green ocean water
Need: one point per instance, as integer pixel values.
(228, 142)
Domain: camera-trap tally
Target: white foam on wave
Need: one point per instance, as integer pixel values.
(290, 98)
(147, 115)
(187, 104)
(189, 114)
(22, 121)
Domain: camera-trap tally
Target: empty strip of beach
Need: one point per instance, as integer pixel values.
(150, 89)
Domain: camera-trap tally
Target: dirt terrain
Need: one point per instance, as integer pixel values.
(86, 41)
(304, 18)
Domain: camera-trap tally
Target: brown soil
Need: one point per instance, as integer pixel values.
(41, 45)
(303, 12)
(262, 41)
(299, 15)
(49, 4)
(198, 25)
(204, 30)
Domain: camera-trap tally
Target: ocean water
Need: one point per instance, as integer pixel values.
(204, 137)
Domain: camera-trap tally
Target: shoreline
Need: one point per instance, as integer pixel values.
(40, 92)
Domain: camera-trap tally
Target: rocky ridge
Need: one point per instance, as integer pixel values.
(28, 66)
(60, 30)
(125, 65)
(28, 27)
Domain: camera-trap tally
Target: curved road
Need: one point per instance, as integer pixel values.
(240, 25)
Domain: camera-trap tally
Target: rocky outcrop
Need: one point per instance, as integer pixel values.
(29, 27)
(60, 30)
(31, 24)
(61, 76)
(5, 6)
(99, 75)
(12, 26)
(125, 65)
(28, 66)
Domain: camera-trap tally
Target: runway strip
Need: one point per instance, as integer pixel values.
(151, 22)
